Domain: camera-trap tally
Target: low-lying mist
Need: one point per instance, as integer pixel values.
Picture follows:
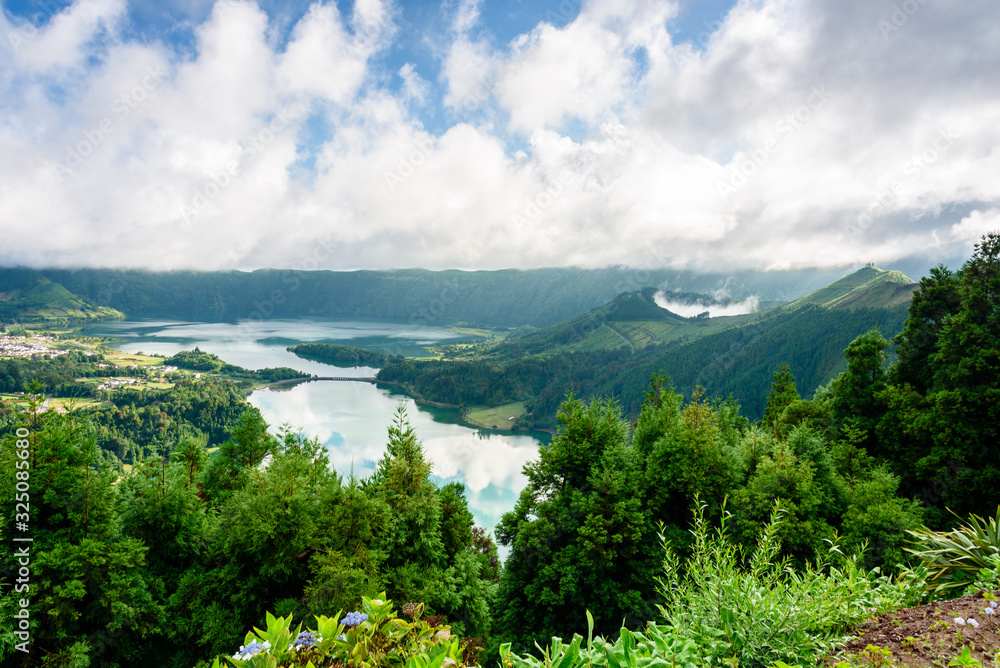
(690, 309)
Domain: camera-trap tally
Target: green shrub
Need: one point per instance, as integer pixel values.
(956, 559)
(756, 610)
(656, 647)
(725, 606)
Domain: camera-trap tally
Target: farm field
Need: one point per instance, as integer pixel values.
(498, 417)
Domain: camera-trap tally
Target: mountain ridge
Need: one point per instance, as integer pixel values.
(39, 300)
(886, 288)
(504, 299)
(604, 353)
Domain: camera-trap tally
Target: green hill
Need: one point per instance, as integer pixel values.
(632, 320)
(497, 299)
(42, 301)
(866, 288)
(613, 350)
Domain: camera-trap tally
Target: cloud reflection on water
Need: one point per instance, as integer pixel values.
(351, 419)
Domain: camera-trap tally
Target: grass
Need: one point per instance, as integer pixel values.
(16, 400)
(643, 333)
(73, 402)
(869, 287)
(54, 402)
(126, 359)
(141, 385)
(156, 385)
(497, 417)
(484, 333)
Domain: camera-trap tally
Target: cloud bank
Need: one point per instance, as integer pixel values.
(808, 133)
(692, 309)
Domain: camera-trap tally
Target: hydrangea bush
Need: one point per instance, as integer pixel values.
(373, 636)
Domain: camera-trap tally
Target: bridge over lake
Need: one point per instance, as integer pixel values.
(361, 379)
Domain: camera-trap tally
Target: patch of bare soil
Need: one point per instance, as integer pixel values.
(929, 635)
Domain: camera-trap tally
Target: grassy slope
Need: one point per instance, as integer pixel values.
(866, 288)
(498, 417)
(51, 302)
(732, 354)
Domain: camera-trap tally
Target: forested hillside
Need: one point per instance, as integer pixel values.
(503, 299)
(614, 349)
(343, 356)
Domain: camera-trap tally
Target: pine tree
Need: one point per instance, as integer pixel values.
(783, 394)
(856, 390)
(579, 536)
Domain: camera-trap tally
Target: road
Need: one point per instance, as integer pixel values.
(619, 336)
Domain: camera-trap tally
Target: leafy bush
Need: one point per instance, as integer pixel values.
(955, 559)
(374, 637)
(656, 647)
(727, 607)
(755, 609)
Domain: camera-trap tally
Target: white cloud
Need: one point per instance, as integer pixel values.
(466, 16)
(414, 86)
(62, 44)
(800, 134)
(557, 74)
(690, 310)
(322, 59)
(973, 227)
(469, 69)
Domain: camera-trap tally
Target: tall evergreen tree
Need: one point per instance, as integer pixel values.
(429, 555)
(856, 390)
(936, 299)
(579, 536)
(240, 455)
(402, 480)
(783, 394)
(92, 598)
(967, 379)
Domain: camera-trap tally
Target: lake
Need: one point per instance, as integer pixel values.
(350, 418)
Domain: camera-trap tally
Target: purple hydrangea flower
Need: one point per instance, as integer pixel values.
(254, 648)
(354, 619)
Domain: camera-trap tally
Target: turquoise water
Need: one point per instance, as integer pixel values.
(350, 418)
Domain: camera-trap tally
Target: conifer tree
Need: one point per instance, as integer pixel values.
(942, 414)
(936, 299)
(783, 394)
(91, 594)
(856, 390)
(402, 480)
(579, 533)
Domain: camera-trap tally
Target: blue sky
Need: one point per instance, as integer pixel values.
(487, 134)
(423, 27)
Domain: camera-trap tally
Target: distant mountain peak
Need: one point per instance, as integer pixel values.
(868, 287)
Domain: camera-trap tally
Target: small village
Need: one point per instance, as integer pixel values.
(26, 346)
(119, 382)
